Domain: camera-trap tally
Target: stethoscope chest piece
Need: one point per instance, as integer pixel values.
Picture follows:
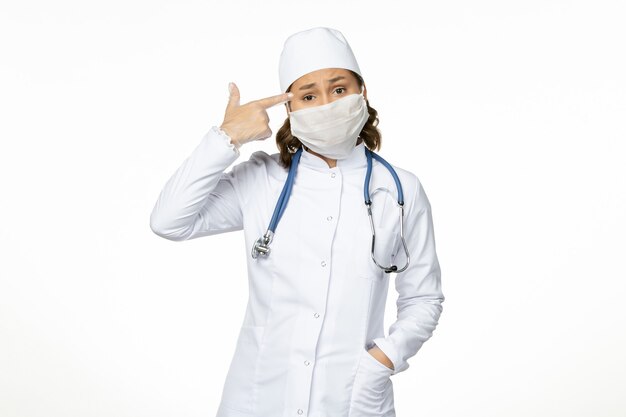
(262, 245)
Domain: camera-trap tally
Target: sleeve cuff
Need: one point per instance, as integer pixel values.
(234, 145)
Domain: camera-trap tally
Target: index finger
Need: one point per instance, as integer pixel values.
(268, 102)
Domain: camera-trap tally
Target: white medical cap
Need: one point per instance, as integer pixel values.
(311, 50)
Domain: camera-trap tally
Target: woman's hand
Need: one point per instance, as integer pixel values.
(380, 356)
(249, 122)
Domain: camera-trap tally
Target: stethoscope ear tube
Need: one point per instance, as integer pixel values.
(391, 268)
(366, 188)
(368, 204)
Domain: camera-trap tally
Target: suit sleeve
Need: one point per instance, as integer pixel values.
(200, 199)
(420, 296)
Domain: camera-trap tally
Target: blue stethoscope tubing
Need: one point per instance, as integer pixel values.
(261, 246)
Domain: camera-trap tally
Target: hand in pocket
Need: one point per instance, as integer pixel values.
(370, 388)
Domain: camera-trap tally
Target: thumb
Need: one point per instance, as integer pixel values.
(233, 99)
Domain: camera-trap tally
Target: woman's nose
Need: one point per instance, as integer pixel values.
(324, 99)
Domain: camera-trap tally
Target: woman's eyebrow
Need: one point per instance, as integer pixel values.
(332, 80)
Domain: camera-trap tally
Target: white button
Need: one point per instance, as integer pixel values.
(316, 315)
(333, 175)
(300, 411)
(307, 363)
(329, 218)
(323, 263)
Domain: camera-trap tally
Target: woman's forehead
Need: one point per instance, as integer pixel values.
(325, 76)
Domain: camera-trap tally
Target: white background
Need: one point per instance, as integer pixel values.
(511, 114)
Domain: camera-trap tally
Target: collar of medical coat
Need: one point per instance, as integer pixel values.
(356, 159)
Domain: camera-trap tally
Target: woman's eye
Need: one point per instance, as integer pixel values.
(343, 89)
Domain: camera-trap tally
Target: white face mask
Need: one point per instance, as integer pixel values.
(333, 128)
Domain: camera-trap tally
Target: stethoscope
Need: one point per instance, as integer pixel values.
(261, 246)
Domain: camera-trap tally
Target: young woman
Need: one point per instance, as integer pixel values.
(312, 342)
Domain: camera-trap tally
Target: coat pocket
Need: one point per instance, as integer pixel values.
(371, 391)
(240, 386)
(385, 248)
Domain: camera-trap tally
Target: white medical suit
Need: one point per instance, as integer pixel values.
(316, 303)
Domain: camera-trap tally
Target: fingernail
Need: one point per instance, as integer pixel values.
(230, 87)
(289, 95)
